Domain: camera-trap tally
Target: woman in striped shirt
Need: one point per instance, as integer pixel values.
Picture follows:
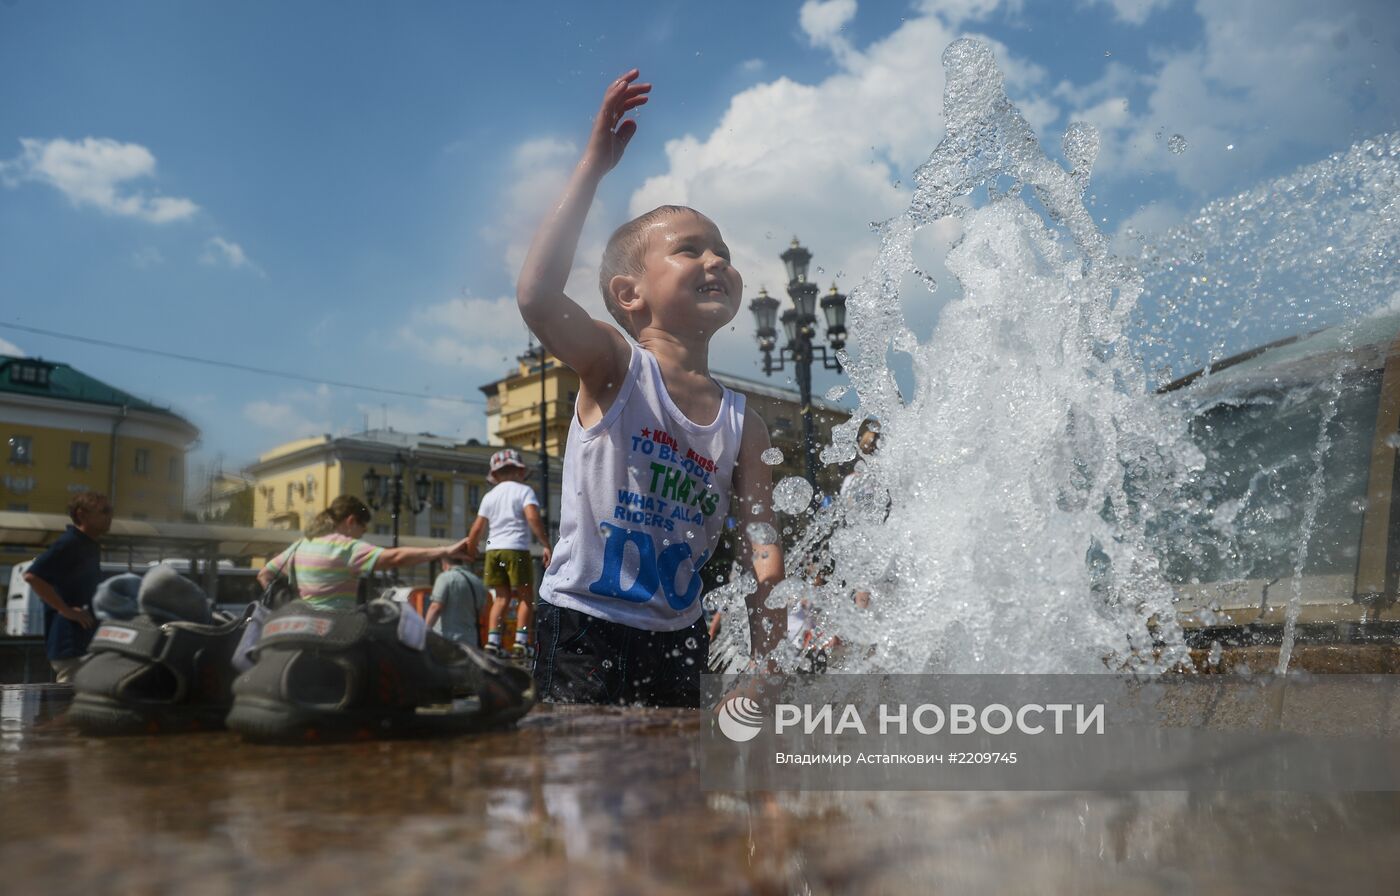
(329, 563)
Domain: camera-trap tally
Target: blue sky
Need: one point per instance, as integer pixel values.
(345, 190)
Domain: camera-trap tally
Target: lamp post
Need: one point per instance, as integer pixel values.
(799, 327)
(387, 491)
(538, 353)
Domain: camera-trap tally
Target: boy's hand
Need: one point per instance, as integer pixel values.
(611, 131)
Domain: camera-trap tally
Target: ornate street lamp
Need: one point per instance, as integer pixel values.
(537, 354)
(388, 491)
(799, 328)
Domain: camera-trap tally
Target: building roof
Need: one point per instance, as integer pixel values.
(54, 379)
(1359, 344)
(758, 387)
(371, 445)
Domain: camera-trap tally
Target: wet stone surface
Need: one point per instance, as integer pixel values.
(609, 801)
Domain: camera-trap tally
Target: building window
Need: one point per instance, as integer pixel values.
(439, 532)
(291, 486)
(439, 494)
(473, 496)
(17, 508)
(79, 455)
(21, 449)
(29, 374)
(174, 469)
(143, 461)
(381, 530)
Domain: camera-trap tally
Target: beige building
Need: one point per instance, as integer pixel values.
(295, 481)
(64, 432)
(513, 414)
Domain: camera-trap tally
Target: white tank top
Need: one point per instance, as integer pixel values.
(646, 493)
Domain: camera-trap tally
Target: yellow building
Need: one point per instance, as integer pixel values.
(65, 432)
(295, 481)
(513, 414)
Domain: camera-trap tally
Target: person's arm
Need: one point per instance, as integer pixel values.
(273, 568)
(596, 351)
(474, 536)
(434, 611)
(396, 558)
(536, 524)
(753, 493)
(48, 595)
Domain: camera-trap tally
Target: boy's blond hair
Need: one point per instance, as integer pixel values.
(624, 253)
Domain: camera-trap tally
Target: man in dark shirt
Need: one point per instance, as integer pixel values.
(65, 577)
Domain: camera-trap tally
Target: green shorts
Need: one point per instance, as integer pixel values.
(512, 568)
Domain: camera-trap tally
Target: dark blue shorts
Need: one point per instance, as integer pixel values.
(584, 659)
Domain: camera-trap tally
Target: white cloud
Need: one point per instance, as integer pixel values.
(1270, 77)
(219, 252)
(1135, 12)
(294, 414)
(751, 66)
(285, 418)
(824, 20)
(96, 172)
(9, 348)
(539, 168)
(959, 11)
(478, 337)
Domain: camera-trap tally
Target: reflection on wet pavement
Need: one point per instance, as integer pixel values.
(608, 801)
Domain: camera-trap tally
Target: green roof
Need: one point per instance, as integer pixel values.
(53, 379)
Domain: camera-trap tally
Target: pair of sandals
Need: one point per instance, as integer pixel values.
(299, 674)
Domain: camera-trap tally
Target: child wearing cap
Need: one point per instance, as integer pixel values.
(508, 515)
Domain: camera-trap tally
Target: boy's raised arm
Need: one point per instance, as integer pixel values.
(753, 491)
(591, 348)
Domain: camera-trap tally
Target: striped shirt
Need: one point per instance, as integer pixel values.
(328, 568)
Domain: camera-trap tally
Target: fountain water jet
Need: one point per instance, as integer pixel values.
(1041, 498)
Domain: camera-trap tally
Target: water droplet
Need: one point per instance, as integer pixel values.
(761, 533)
(691, 643)
(792, 495)
(1176, 143)
(835, 393)
(772, 457)
(1393, 440)
(1229, 146)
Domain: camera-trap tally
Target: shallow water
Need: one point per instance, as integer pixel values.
(608, 801)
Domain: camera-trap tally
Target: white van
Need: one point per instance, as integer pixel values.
(24, 611)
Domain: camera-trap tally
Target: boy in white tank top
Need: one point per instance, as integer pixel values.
(658, 453)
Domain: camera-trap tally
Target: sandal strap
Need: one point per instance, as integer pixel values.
(300, 625)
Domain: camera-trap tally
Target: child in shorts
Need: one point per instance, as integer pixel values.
(658, 453)
(508, 515)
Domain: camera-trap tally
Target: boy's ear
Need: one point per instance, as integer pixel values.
(624, 292)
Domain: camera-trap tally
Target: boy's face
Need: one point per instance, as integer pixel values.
(687, 282)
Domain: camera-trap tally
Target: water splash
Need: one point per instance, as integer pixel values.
(1017, 545)
(1033, 507)
(1315, 248)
